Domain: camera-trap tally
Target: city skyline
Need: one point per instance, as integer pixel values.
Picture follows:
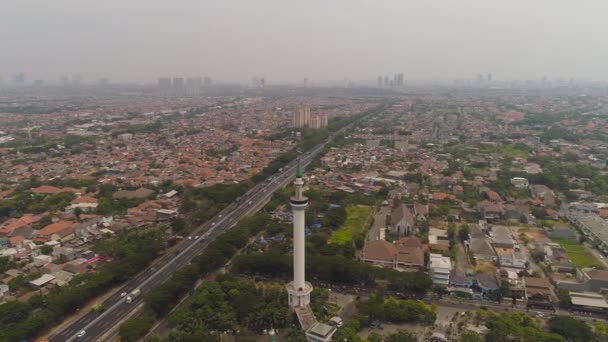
(320, 41)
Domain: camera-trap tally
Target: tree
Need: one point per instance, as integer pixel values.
(570, 328)
(401, 336)
(563, 296)
(538, 255)
(135, 328)
(600, 328)
(375, 337)
(178, 224)
(78, 212)
(463, 233)
(470, 336)
(6, 264)
(46, 249)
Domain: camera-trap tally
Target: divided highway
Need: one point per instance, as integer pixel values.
(96, 325)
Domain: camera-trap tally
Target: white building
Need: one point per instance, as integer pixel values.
(520, 182)
(439, 269)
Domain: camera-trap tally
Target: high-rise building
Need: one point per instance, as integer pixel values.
(324, 120)
(258, 82)
(38, 83)
(301, 117)
(315, 122)
(20, 78)
(164, 83)
(207, 81)
(398, 80)
(178, 84)
(379, 81)
(194, 84)
(386, 81)
(489, 77)
(299, 289)
(76, 79)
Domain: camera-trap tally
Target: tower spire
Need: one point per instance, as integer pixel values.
(299, 170)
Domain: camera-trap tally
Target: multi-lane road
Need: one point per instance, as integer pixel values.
(96, 325)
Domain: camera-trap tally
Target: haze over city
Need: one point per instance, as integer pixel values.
(140, 40)
(312, 171)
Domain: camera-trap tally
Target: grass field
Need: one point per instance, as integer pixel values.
(357, 217)
(579, 254)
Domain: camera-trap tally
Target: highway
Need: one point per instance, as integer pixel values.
(97, 324)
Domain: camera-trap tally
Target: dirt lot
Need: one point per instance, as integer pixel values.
(532, 234)
(485, 267)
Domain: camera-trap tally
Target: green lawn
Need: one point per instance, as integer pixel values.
(357, 217)
(579, 254)
(514, 152)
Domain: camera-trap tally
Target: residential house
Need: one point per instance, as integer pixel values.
(86, 203)
(460, 282)
(491, 211)
(517, 287)
(520, 182)
(22, 226)
(538, 292)
(439, 269)
(557, 259)
(485, 284)
(479, 245)
(393, 255)
(587, 280)
(59, 230)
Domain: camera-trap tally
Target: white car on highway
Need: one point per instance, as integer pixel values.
(123, 294)
(81, 333)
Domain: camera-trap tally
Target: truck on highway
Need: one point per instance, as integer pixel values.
(133, 295)
(98, 307)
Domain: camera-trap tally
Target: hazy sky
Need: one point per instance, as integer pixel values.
(289, 39)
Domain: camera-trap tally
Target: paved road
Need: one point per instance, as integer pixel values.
(96, 325)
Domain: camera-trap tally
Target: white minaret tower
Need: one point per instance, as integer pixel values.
(299, 290)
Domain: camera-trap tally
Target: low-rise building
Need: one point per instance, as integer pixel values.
(520, 182)
(538, 292)
(588, 301)
(439, 269)
(587, 280)
(56, 231)
(41, 282)
(393, 255)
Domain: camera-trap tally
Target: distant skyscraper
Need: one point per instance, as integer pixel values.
(20, 78)
(194, 84)
(39, 83)
(301, 117)
(386, 81)
(489, 77)
(315, 122)
(64, 80)
(207, 81)
(178, 84)
(76, 79)
(258, 82)
(379, 81)
(164, 83)
(324, 120)
(479, 78)
(398, 80)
